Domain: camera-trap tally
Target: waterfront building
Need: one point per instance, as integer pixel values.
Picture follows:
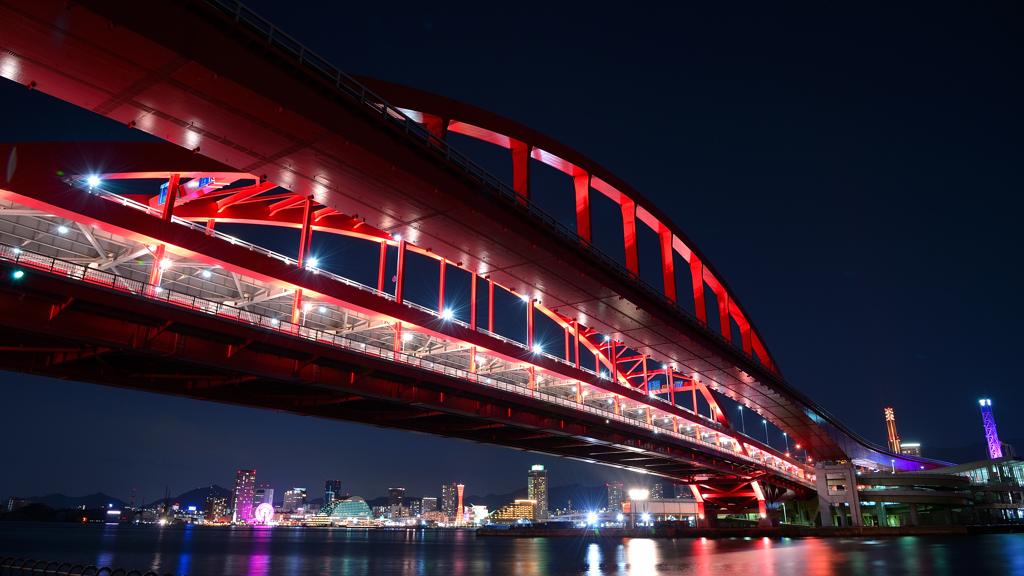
(15, 503)
(429, 504)
(395, 496)
(537, 489)
(241, 498)
(381, 511)
(415, 506)
(332, 491)
(449, 497)
(479, 514)
(615, 496)
(348, 510)
(294, 500)
(910, 449)
(263, 494)
(515, 512)
(216, 509)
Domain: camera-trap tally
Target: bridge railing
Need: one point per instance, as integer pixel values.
(139, 288)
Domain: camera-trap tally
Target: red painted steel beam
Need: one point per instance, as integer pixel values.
(118, 332)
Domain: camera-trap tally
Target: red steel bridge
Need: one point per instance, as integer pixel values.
(115, 266)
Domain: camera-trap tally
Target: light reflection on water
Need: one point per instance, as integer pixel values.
(202, 551)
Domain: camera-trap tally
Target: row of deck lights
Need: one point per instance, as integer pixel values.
(447, 314)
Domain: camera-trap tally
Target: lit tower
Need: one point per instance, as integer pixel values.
(994, 449)
(458, 514)
(894, 438)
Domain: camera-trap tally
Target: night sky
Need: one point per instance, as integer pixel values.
(853, 170)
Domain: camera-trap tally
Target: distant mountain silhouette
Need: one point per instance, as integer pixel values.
(60, 501)
(196, 497)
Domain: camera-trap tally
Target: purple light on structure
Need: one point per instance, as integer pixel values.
(264, 513)
(995, 450)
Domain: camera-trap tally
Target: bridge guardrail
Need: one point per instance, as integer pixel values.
(139, 288)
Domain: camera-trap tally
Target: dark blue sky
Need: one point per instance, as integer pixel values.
(854, 171)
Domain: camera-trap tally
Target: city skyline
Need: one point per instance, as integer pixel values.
(883, 221)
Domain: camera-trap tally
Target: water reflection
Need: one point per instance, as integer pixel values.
(593, 560)
(642, 557)
(205, 551)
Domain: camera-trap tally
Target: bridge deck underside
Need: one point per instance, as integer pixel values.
(56, 328)
(213, 89)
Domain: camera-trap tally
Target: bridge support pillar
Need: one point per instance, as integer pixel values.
(912, 515)
(843, 478)
(702, 519)
(883, 520)
(157, 271)
(764, 521)
(826, 512)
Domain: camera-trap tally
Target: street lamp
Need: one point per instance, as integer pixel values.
(742, 423)
(766, 441)
(786, 438)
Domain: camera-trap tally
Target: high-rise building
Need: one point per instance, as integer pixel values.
(657, 491)
(263, 494)
(615, 495)
(681, 491)
(216, 508)
(908, 449)
(449, 497)
(415, 506)
(241, 498)
(995, 448)
(537, 489)
(429, 504)
(395, 496)
(332, 491)
(295, 499)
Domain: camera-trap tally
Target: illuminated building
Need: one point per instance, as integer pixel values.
(681, 491)
(332, 491)
(241, 498)
(449, 497)
(909, 449)
(395, 496)
(429, 504)
(349, 509)
(657, 491)
(263, 494)
(415, 506)
(294, 499)
(514, 512)
(615, 496)
(537, 489)
(216, 509)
